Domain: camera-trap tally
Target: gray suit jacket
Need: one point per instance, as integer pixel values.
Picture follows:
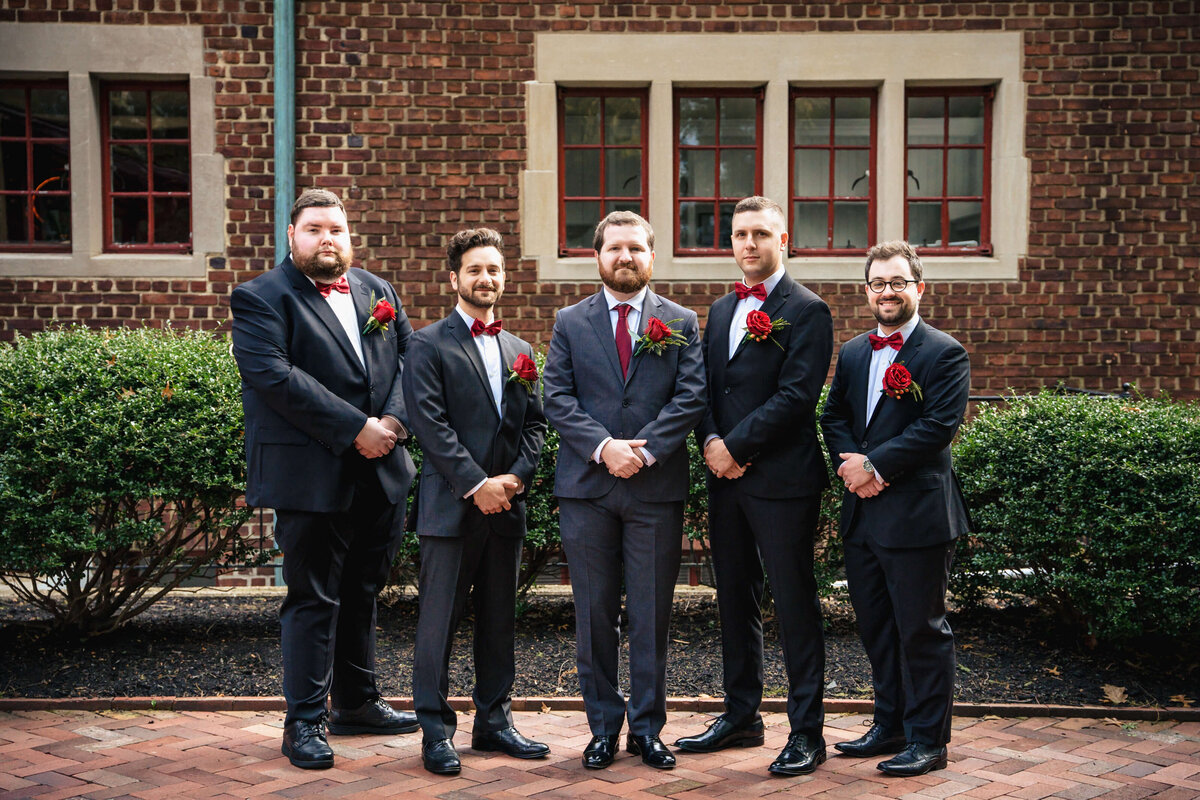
(660, 400)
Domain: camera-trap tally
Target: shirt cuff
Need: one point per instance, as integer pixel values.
(477, 487)
(403, 434)
(708, 439)
(599, 449)
(646, 455)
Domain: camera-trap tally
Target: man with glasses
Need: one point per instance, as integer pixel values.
(897, 399)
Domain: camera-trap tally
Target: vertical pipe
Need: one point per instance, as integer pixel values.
(285, 121)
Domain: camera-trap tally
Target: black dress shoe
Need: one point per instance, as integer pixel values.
(600, 751)
(653, 752)
(874, 742)
(510, 742)
(375, 716)
(801, 755)
(721, 734)
(305, 745)
(440, 757)
(916, 759)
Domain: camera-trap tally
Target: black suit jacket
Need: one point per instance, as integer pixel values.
(762, 402)
(908, 440)
(463, 436)
(306, 395)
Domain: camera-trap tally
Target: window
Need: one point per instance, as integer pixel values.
(832, 171)
(35, 160)
(147, 167)
(602, 161)
(718, 156)
(947, 138)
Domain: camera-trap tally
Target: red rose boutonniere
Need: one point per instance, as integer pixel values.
(382, 312)
(659, 336)
(524, 371)
(760, 326)
(897, 382)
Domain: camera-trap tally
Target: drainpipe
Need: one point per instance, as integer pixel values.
(285, 121)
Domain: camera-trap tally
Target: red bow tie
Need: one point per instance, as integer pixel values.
(340, 285)
(743, 291)
(477, 328)
(895, 341)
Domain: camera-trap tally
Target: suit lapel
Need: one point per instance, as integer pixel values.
(598, 315)
(770, 307)
(908, 353)
(370, 342)
(508, 354)
(320, 307)
(651, 307)
(462, 334)
(719, 319)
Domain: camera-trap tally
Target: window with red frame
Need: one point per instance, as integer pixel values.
(718, 152)
(602, 161)
(833, 171)
(35, 162)
(147, 167)
(947, 151)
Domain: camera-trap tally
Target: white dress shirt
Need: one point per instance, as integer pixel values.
(743, 307)
(633, 319)
(881, 359)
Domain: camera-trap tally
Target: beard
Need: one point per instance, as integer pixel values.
(323, 267)
(631, 280)
(895, 318)
(471, 298)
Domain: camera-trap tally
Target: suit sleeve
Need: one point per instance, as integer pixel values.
(836, 423)
(708, 422)
(394, 405)
(533, 436)
(667, 432)
(574, 425)
(805, 365)
(260, 349)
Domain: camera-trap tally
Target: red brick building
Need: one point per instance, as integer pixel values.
(1045, 155)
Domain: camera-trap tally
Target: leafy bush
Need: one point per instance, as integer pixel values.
(1089, 505)
(121, 471)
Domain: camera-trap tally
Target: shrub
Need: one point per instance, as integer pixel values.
(121, 472)
(1091, 506)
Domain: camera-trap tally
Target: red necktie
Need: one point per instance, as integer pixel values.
(624, 343)
(743, 291)
(895, 341)
(477, 328)
(340, 285)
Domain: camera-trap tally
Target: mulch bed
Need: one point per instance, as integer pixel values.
(212, 646)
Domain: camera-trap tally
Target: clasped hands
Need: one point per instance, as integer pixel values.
(623, 457)
(377, 437)
(858, 480)
(720, 462)
(496, 493)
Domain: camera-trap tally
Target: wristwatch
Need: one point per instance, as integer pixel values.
(868, 467)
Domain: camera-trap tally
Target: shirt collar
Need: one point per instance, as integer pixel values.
(770, 283)
(635, 302)
(467, 318)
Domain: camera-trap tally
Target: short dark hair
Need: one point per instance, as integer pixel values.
(760, 203)
(897, 247)
(621, 218)
(469, 239)
(315, 198)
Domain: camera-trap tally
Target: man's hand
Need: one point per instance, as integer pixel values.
(621, 458)
(858, 480)
(720, 462)
(493, 497)
(395, 426)
(512, 483)
(374, 440)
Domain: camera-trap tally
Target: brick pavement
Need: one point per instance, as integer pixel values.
(50, 754)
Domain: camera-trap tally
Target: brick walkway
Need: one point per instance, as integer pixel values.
(235, 754)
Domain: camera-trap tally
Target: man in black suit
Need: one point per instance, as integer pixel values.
(472, 392)
(767, 347)
(320, 348)
(897, 399)
(624, 387)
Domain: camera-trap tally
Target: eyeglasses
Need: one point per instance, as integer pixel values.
(898, 285)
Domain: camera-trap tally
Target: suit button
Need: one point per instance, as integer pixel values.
(625, 403)
(726, 390)
(864, 444)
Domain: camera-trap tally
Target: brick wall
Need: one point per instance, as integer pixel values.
(415, 113)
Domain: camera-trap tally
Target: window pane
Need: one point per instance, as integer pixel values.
(52, 223)
(170, 220)
(697, 173)
(127, 114)
(13, 224)
(812, 120)
(966, 120)
(623, 120)
(850, 177)
(725, 235)
(810, 228)
(853, 125)
(697, 120)
(12, 112)
(581, 120)
(696, 225)
(582, 217)
(582, 173)
(964, 224)
(49, 108)
(622, 205)
(169, 115)
(50, 166)
(925, 224)
(850, 225)
(965, 168)
(925, 120)
(623, 172)
(737, 173)
(738, 120)
(925, 173)
(811, 173)
(171, 168)
(12, 161)
(130, 220)
(128, 166)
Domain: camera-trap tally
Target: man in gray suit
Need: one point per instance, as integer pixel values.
(477, 413)
(624, 383)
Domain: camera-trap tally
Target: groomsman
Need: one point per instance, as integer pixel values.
(320, 348)
(472, 389)
(767, 347)
(624, 387)
(898, 396)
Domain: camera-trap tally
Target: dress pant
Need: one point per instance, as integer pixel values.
(599, 535)
(899, 598)
(450, 567)
(746, 534)
(334, 564)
